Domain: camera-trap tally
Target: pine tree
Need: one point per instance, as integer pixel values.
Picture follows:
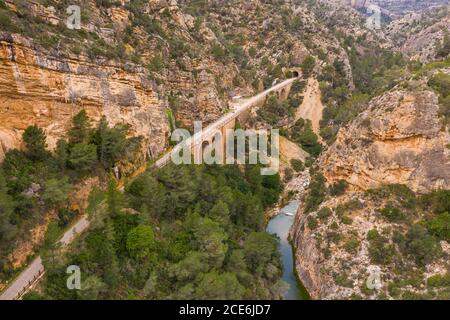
(35, 143)
(62, 153)
(81, 129)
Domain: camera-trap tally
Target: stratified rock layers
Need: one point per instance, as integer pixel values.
(48, 91)
(399, 139)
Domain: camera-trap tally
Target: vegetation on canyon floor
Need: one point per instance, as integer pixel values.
(178, 233)
(405, 243)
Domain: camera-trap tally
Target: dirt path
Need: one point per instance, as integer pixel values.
(312, 107)
(35, 270)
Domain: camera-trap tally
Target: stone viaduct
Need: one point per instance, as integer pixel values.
(242, 112)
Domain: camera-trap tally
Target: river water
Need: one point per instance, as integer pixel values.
(280, 225)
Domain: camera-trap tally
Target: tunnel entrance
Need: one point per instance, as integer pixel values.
(295, 74)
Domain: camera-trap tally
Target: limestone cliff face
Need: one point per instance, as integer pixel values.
(399, 139)
(308, 259)
(42, 89)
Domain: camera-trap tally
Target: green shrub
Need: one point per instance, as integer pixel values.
(324, 213)
(437, 201)
(312, 223)
(394, 290)
(412, 278)
(411, 295)
(141, 241)
(343, 280)
(6, 22)
(297, 165)
(273, 111)
(346, 220)
(441, 83)
(440, 226)
(338, 188)
(438, 281)
(334, 236)
(156, 65)
(288, 174)
(316, 194)
(218, 52)
(65, 216)
(443, 294)
(443, 49)
(252, 52)
(398, 192)
(105, 3)
(309, 161)
(372, 234)
(308, 66)
(33, 296)
(298, 87)
(444, 108)
(380, 250)
(347, 207)
(392, 213)
(303, 134)
(422, 246)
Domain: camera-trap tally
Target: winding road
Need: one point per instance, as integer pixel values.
(34, 272)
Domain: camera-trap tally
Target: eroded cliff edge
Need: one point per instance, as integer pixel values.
(391, 154)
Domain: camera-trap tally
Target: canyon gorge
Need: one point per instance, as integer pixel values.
(365, 147)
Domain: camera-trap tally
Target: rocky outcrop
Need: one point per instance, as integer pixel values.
(399, 139)
(333, 258)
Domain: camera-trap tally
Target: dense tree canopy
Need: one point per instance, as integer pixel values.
(180, 232)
